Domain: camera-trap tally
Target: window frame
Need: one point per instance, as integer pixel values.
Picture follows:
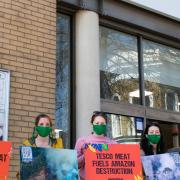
(69, 12)
(125, 108)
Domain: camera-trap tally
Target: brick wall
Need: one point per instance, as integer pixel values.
(27, 49)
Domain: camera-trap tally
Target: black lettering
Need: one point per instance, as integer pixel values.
(100, 163)
(114, 171)
(122, 156)
(123, 163)
(3, 157)
(104, 156)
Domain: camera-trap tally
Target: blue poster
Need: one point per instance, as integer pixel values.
(48, 164)
(162, 166)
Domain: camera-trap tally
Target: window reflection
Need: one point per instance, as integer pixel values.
(63, 77)
(125, 129)
(118, 65)
(161, 74)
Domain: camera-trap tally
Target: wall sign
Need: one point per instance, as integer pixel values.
(4, 103)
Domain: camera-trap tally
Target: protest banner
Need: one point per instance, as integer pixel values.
(48, 163)
(5, 150)
(113, 162)
(162, 166)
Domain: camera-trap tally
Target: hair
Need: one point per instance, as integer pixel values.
(35, 134)
(96, 114)
(146, 146)
(42, 116)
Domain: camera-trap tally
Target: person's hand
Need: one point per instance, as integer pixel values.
(84, 148)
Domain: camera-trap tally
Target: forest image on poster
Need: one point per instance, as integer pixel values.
(48, 164)
(162, 166)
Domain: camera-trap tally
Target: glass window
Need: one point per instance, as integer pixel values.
(161, 75)
(62, 113)
(125, 129)
(119, 77)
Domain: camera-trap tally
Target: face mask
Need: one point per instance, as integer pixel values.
(153, 138)
(43, 131)
(99, 129)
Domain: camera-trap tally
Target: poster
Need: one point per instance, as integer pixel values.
(4, 103)
(5, 150)
(48, 164)
(163, 166)
(113, 162)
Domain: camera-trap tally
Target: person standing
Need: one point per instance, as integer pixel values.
(152, 140)
(98, 136)
(42, 134)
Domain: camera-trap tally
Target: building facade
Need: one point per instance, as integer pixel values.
(69, 58)
(28, 56)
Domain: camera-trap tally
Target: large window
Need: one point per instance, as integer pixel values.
(161, 75)
(119, 71)
(62, 113)
(119, 66)
(125, 129)
(145, 74)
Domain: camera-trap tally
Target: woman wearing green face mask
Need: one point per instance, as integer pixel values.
(98, 136)
(152, 140)
(42, 134)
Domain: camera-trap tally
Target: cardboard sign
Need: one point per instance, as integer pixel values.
(5, 150)
(162, 166)
(48, 163)
(115, 161)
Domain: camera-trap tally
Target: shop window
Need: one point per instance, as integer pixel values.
(63, 78)
(118, 65)
(4, 103)
(161, 74)
(125, 129)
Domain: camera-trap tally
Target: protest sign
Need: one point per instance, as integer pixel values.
(113, 162)
(5, 150)
(48, 163)
(162, 166)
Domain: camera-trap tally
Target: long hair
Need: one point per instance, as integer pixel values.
(146, 146)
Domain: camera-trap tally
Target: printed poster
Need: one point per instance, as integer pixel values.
(48, 164)
(113, 162)
(5, 150)
(162, 166)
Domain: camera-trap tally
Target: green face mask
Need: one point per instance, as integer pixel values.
(99, 129)
(153, 138)
(43, 131)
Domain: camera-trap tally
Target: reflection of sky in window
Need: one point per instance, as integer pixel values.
(161, 63)
(118, 53)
